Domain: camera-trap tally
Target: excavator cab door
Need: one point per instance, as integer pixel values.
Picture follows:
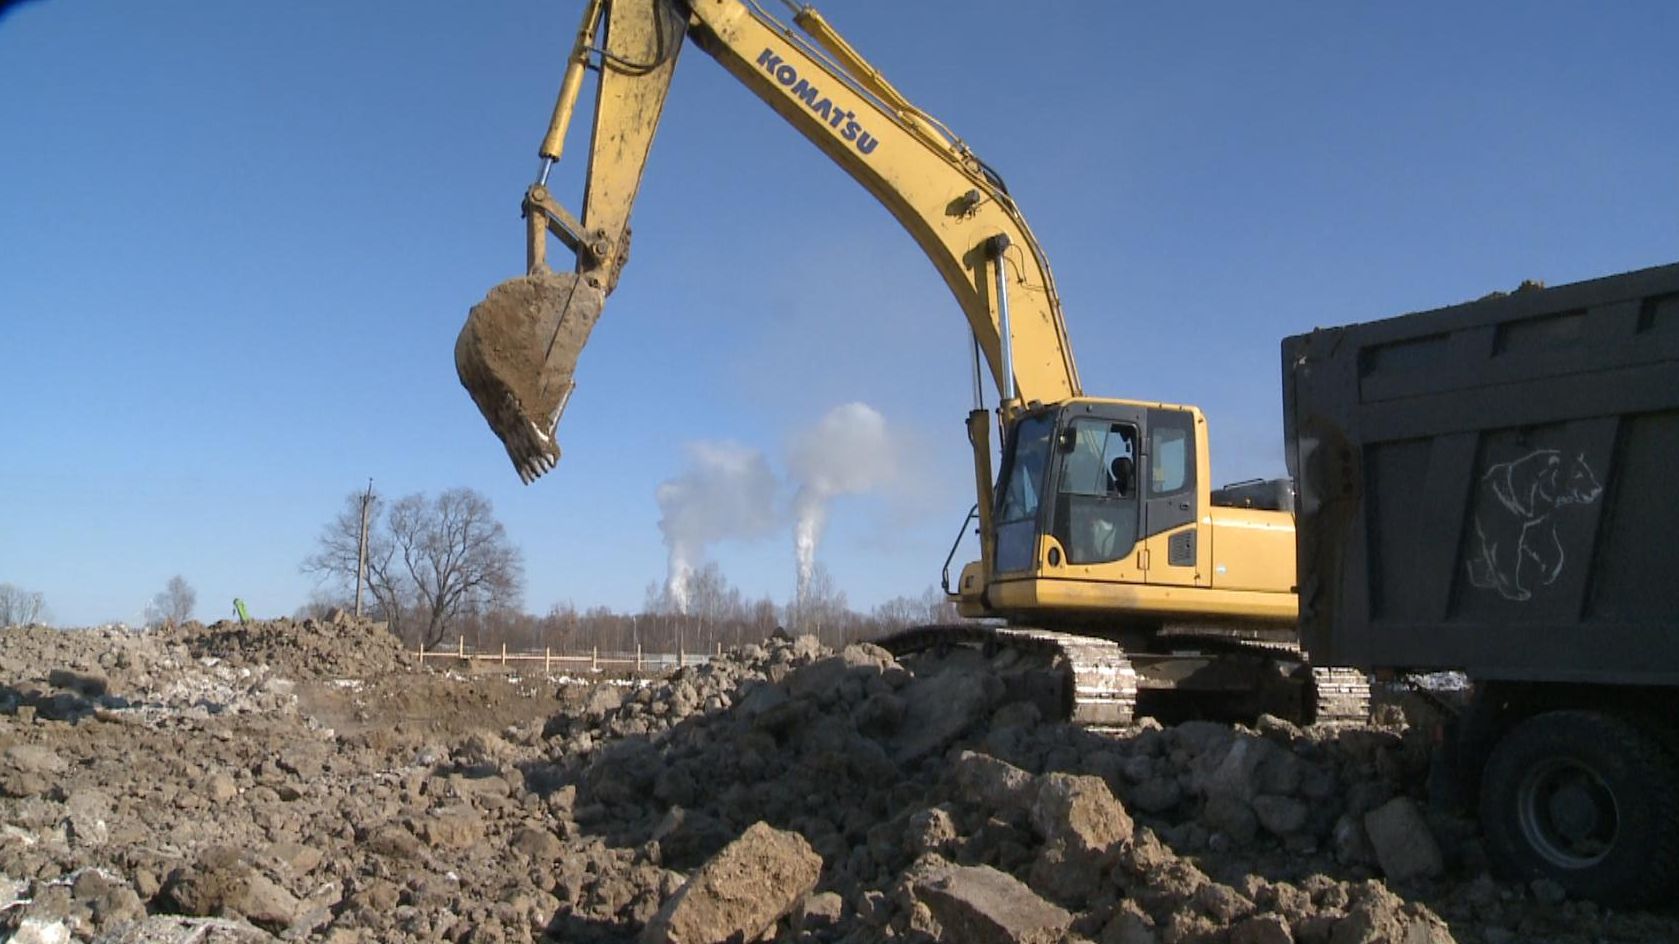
(1096, 519)
(1070, 495)
(1171, 545)
(1021, 490)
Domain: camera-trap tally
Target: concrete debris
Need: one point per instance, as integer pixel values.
(1403, 843)
(982, 905)
(820, 911)
(1080, 812)
(741, 892)
(170, 929)
(303, 780)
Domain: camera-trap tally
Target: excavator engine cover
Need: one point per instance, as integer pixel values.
(517, 355)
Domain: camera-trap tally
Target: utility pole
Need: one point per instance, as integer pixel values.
(361, 546)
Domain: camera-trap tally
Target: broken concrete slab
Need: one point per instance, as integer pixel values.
(1404, 845)
(1080, 811)
(741, 892)
(980, 905)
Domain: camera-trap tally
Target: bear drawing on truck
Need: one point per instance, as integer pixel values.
(1515, 537)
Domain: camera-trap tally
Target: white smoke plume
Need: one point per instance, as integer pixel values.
(727, 491)
(848, 452)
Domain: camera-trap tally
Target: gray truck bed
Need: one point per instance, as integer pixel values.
(1494, 486)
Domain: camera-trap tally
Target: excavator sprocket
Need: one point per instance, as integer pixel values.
(1099, 685)
(517, 355)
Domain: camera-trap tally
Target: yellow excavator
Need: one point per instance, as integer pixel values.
(1103, 546)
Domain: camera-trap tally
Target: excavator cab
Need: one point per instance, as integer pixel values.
(1103, 507)
(1059, 482)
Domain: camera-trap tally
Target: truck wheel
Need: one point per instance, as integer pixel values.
(1586, 800)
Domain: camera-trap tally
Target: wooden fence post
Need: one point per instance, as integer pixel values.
(594, 660)
(461, 650)
(638, 657)
(420, 657)
(547, 658)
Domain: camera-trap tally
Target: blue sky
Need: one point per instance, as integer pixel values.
(237, 242)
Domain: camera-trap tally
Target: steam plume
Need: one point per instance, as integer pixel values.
(848, 452)
(727, 491)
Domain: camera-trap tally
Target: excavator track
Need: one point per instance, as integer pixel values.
(1099, 683)
(1339, 695)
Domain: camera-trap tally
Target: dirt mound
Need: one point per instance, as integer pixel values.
(338, 648)
(68, 675)
(877, 799)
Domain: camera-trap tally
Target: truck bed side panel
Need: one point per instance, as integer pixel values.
(1494, 487)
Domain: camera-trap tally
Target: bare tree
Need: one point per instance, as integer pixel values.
(931, 606)
(321, 604)
(822, 608)
(899, 613)
(430, 562)
(173, 605)
(20, 607)
(940, 608)
(336, 556)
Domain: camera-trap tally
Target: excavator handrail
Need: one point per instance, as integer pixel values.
(961, 532)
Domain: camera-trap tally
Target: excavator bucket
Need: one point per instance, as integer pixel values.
(517, 355)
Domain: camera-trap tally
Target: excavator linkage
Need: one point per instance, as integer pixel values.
(517, 355)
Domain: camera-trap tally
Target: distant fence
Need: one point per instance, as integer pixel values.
(593, 661)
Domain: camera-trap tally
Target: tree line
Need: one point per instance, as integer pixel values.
(172, 605)
(20, 607)
(441, 569)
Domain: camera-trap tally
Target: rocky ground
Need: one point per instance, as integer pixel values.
(305, 781)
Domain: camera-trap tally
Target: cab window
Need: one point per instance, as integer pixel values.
(1024, 480)
(1096, 504)
(1021, 490)
(1171, 461)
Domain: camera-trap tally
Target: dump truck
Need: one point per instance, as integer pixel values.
(1488, 490)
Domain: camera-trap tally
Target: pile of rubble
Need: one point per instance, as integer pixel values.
(929, 801)
(780, 792)
(69, 675)
(333, 648)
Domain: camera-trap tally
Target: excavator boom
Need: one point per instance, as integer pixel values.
(518, 352)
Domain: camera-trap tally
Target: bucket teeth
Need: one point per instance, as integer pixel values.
(517, 355)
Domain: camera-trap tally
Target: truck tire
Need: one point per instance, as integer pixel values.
(1587, 800)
